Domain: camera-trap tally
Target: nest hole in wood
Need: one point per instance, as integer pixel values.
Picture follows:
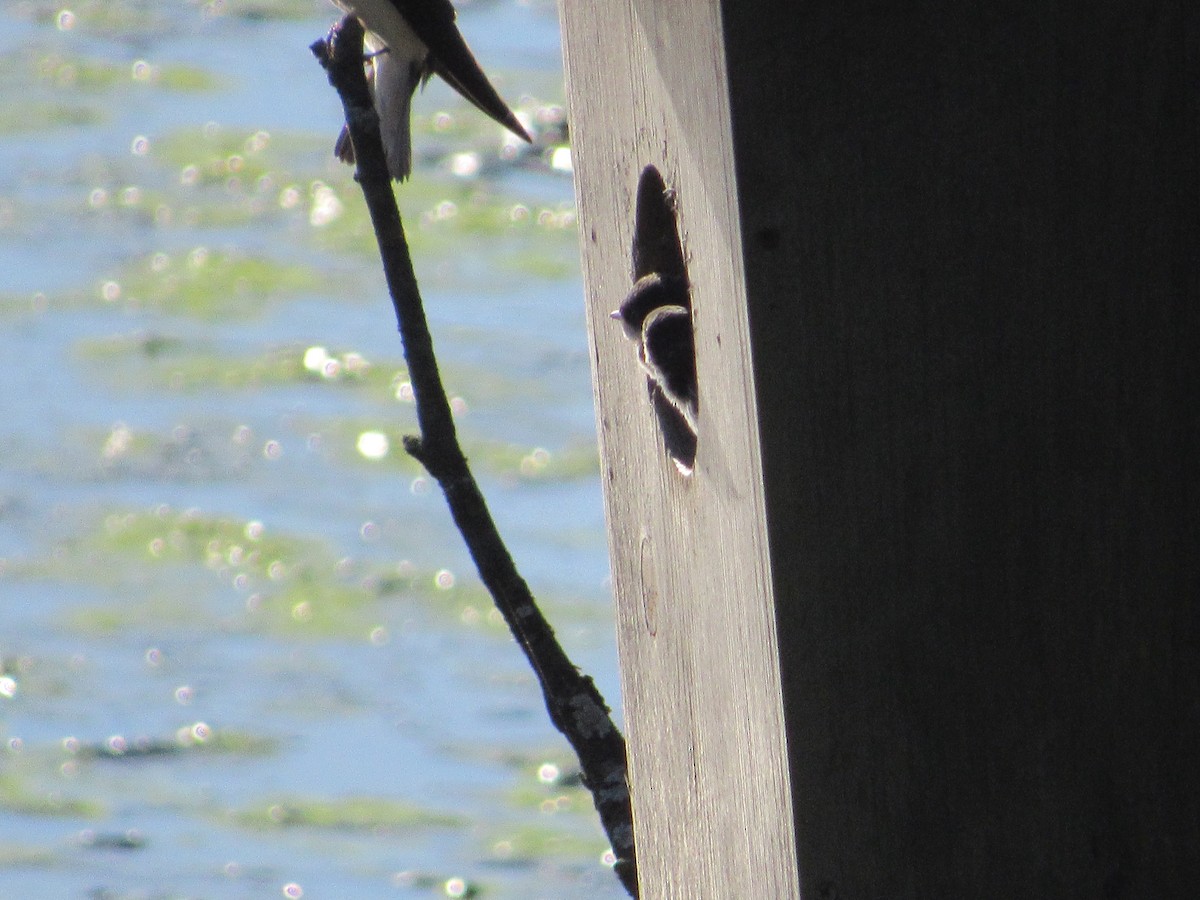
(657, 316)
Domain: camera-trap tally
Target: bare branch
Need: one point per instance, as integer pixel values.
(575, 705)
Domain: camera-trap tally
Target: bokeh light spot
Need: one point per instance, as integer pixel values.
(373, 445)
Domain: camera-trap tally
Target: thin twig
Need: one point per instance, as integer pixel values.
(575, 705)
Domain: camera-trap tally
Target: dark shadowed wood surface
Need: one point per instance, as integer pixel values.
(944, 523)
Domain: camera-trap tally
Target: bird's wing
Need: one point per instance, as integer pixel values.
(433, 23)
(669, 352)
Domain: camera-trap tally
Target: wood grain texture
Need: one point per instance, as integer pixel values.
(946, 295)
(694, 601)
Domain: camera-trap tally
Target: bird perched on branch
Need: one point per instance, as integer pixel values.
(408, 41)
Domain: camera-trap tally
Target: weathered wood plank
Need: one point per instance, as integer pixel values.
(946, 294)
(696, 620)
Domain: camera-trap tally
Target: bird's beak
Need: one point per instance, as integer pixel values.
(615, 314)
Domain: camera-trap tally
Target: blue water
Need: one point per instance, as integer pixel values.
(414, 698)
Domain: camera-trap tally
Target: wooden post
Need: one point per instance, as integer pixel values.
(924, 621)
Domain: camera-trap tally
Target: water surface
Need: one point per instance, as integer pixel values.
(243, 651)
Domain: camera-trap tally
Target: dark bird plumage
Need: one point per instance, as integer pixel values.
(657, 317)
(411, 40)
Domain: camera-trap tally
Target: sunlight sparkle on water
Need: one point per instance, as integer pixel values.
(535, 461)
(118, 441)
(258, 141)
(373, 445)
(562, 218)
(560, 160)
(443, 580)
(289, 197)
(465, 165)
(293, 891)
(326, 206)
(315, 359)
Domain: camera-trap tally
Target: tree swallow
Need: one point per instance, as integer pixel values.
(657, 316)
(408, 41)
